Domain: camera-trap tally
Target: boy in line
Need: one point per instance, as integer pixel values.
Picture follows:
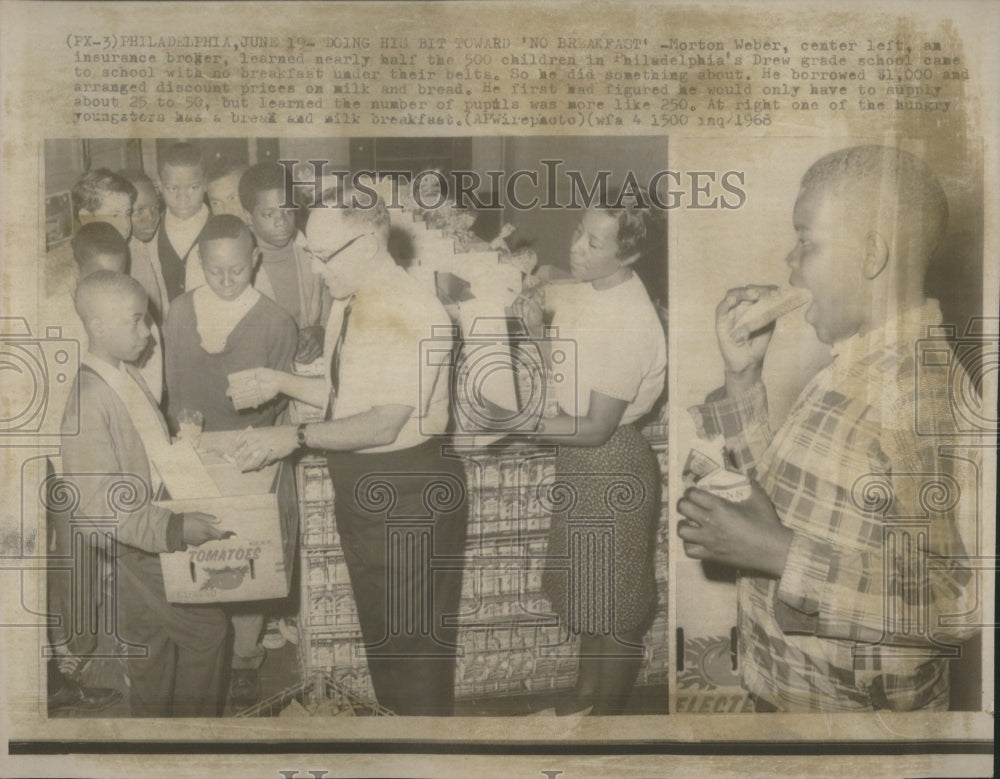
(213, 331)
(100, 246)
(285, 273)
(844, 605)
(98, 196)
(223, 189)
(182, 181)
(144, 264)
(121, 439)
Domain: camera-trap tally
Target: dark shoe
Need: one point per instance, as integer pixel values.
(245, 688)
(73, 697)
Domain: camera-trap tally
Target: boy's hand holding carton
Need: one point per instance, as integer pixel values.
(703, 471)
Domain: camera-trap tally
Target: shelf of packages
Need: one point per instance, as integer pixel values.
(318, 530)
(509, 490)
(327, 602)
(510, 641)
(340, 656)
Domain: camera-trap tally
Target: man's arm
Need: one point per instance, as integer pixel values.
(378, 426)
(313, 390)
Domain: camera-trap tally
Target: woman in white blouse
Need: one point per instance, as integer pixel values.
(600, 575)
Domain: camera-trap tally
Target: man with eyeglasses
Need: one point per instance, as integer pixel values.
(399, 501)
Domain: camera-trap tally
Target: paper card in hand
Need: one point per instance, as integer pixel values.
(244, 390)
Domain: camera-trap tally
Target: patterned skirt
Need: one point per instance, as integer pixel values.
(605, 505)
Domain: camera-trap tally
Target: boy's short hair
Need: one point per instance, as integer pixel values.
(136, 176)
(180, 155)
(224, 167)
(97, 238)
(90, 190)
(224, 226)
(262, 177)
(101, 286)
(902, 185)
(361, 207)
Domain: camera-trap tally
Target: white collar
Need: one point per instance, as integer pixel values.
(217, 318)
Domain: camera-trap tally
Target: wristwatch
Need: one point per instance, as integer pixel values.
(300, 436)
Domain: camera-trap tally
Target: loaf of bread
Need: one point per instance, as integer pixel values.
(771, 305)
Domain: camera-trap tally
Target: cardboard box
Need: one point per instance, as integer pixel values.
(260, 507)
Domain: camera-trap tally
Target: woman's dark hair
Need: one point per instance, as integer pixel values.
(642, 231)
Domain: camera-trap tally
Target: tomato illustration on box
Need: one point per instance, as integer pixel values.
(259, 513)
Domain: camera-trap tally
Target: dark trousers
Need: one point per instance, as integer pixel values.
(402, 523)
(184, 646)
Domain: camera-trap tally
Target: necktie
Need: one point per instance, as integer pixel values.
(335, 363)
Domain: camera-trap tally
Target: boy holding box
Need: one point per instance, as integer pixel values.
(122, 436)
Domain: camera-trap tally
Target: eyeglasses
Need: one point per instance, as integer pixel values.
(331, 255)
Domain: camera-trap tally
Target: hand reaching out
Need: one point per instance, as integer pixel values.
(257, 447)
(528, 308)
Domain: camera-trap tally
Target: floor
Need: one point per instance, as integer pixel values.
(280, 673)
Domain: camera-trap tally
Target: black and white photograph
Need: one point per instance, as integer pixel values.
(269, 557)
(500, 388)
(829, 514)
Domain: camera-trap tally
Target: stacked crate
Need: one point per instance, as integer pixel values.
(329, 633)
(510, 641)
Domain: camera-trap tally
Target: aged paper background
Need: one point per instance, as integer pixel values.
(464, 44)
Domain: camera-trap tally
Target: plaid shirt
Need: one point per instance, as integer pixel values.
(875, 591)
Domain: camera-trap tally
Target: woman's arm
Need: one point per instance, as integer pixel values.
(313, 390)
(594, 429)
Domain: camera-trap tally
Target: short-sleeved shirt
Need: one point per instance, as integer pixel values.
(393, 321)
(619, 342)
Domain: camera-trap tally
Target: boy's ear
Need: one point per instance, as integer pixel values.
(94, 325)
(876, 256)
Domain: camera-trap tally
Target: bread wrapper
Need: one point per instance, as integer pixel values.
(769, 307)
